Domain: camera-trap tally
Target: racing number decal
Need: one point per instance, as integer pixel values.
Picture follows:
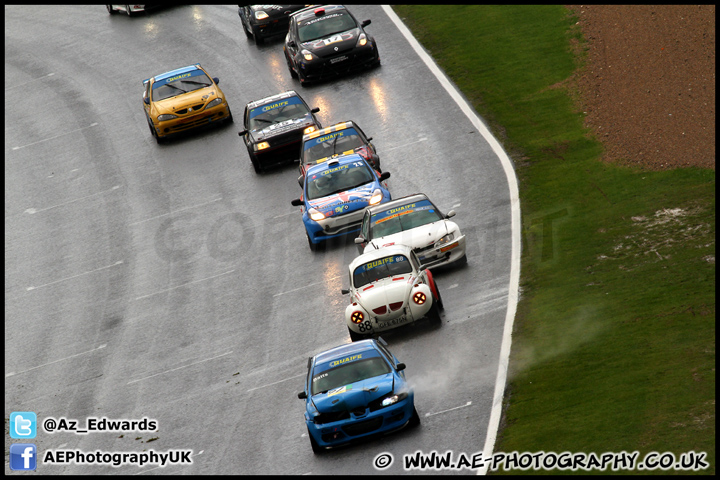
(333, 39)
(365, 327)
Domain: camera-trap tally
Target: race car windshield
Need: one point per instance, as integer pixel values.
(277, 112)
(180, 86)
(328, 145)
(381, 268)
(349, 373)
(325, 26)
(406, 217)
(338, 179)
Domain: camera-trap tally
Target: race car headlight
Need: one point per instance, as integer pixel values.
(377, 197)
(307, 55)
(309, 129)
(447, 238)
(214, 103)
(315, 215)
(357, 317)
(393, 399)
(166, 116)
(362, 40)
(260, 15)
(263, 145)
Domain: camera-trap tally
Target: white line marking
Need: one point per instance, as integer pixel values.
(456, 205)
(405, 145)
(56, 136)
(448, 410)
(31, 81)
(274, 383)
(56, 361)
(306, 285)
(184, 284)
(32, 211)
(176, 211)
(285, 215)
(75, 276)
(514, 283)
(178, 368)
(451, 286)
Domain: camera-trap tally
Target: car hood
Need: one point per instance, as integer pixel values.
(200, 96)
(354, 396)
(384, 292)
(344, 202)
(276, 129)
(419, 237)
(333, 44)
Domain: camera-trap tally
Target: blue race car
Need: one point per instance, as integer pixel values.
(355, 391)
(336, 194)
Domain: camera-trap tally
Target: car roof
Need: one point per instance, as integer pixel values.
(397, 249)
(272, 98)
(345, 350)
(397, 202)
(307, 13)
(332, 128)
(334, 162)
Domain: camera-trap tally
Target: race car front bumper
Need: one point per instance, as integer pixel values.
(442, 254)
(379, 422)
(202, 118)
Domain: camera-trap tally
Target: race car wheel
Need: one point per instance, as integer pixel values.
(110, 10)
(355, 337)
(292, 71)
(462, 260)
(229, 120)
(315, 246)
(317, 449)
(245, 29)
(255, 162)
(415, 419)
(129, 12)
(434, 315)
(435, 291)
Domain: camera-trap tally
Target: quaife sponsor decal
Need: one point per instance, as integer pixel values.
(335, 363)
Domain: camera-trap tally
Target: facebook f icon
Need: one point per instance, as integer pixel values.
(23, 424)
(23, 456)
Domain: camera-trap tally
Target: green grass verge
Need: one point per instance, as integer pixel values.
(614, 340)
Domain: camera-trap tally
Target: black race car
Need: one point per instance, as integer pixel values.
(262, 21)
(274, 128)
(327, 41)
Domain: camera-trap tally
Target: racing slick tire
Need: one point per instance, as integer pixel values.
(245, 29)
(293, 74)
(229, 120)
(356, 337)
(435, 291)
(317, 449)
(110, 9)
(129, 12)
(434, 315)
(462, 260)
(255, 163)
(315, 247)
(415, 419)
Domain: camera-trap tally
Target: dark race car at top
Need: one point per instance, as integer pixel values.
(263, 21)
(274, 127)
(327, 41)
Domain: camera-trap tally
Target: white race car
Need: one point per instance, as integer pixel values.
(414, 221)
(388, 288)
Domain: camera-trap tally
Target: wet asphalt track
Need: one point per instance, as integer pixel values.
(172, 282)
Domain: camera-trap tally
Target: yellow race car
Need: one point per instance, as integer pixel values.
(183, 99)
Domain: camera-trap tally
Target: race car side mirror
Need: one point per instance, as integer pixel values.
(360, 239)
(400, 366)
(296, 203)
(302, 395)
(369, 139)
(366, 23)
(146, 100)
(384, 176)
(291, 44)
(216, 80)
(345, 291)
(451, 213)
(242, 132)
(301, 179)
(315, 110)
